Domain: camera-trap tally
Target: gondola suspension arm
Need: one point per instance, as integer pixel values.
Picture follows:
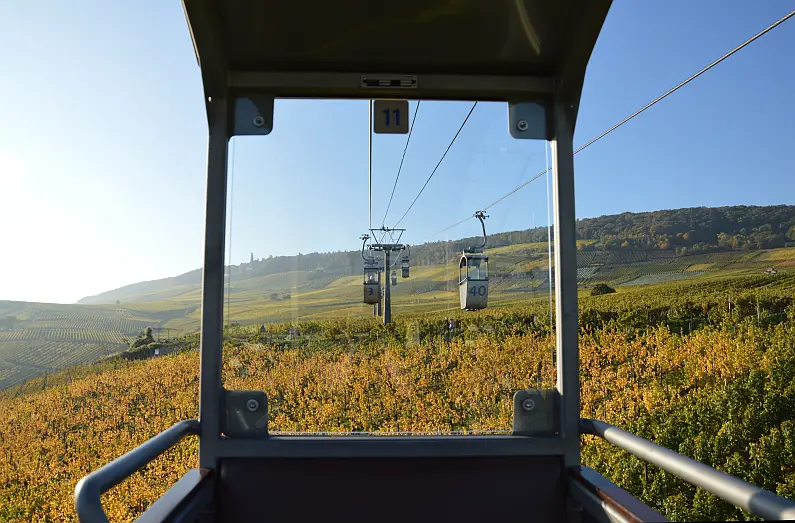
(364, 239)
(480, 215)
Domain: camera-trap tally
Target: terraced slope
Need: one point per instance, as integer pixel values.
(38, 339)
(45, 337)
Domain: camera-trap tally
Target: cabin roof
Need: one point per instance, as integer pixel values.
(543, 45)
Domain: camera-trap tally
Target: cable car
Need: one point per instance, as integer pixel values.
(473, 274)
(531, 54)
(372, 284)
(473, 281)
(372, 275)
(404, 263)
(394, 278)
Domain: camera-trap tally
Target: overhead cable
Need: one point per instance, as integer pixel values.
(633, 115)
(411, 128)
(438, 164)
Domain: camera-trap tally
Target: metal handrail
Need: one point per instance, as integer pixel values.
(750, 498)
(89, 489)
(740, 493)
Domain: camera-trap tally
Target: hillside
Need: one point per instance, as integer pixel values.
(670, 363)
(697, 229)
(675, 232)
(37, 339)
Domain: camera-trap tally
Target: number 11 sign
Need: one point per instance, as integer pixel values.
(391, 117)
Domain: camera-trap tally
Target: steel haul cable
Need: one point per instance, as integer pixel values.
(408, 140)
(633, 115)
(438, 164)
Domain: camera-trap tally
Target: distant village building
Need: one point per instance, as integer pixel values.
(771, 270)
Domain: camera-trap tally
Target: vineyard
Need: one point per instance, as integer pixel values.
(42, 338)
(662, 276)
(51, 355)
(649, 267)
(707, 372)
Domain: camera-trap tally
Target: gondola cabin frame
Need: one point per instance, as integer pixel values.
(372, 285)
(473, 280)
(531, 55)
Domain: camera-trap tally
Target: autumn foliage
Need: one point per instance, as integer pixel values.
(711, 380)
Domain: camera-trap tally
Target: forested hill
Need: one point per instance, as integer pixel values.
(685, 231)
(691, 230)
(696, 229)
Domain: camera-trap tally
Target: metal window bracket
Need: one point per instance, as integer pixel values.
(535, 412)
(253, 115)
(245, 414)
(529, 121)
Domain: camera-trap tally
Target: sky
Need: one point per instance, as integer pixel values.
(103, 143)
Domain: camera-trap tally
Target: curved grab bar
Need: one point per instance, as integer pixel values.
(740, 493)
(89, 489)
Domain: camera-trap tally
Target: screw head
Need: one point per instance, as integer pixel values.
(528, 404)
(252, 405)
(259, 121)
(521, 125)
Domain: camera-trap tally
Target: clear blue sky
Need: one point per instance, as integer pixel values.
(103, 143)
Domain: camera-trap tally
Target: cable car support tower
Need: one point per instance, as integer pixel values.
(387, 248)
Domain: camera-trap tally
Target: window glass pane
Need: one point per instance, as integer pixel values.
(299, 325)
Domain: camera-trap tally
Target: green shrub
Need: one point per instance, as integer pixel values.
(601, 289)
